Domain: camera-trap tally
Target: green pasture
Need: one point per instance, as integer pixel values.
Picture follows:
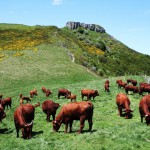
(51, 67)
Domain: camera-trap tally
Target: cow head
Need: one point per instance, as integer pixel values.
(96, 93)
(147, 118)
(27, 130)
(56, 125)
(128, 113)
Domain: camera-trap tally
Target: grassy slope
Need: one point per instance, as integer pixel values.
(52, 68)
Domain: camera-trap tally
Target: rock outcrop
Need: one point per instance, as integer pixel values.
(74, 25)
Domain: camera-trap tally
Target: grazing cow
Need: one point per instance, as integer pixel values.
(25, 98)
(144, 88)
(89, 93)
(6, 102)
(74, 111)
(144, 109)
(2, 113)
(128, 87)
(72, 97)
(107, 81)
(46, 91)
(106, 86)
(117, 81)
(49, 108)
(134, 82)
(123, 102)
(33, 92)
(23, 117)
(63, 92)
(121, 84)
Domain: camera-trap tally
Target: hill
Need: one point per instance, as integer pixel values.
(97, 51)
(32, 57)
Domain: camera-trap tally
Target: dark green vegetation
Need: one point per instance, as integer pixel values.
(99, 52)
(49, 65)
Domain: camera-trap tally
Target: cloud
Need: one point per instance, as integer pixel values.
(56, 2)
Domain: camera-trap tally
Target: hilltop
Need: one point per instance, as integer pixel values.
(88, 44)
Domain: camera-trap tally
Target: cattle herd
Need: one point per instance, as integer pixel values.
(83, 110)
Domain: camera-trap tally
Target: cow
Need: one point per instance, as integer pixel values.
(23, 119)
(25, 98)
(144, 108)
(89, 93)
(2, 113)
(107, 81)
(121, 84)
(119, 80)
(46, 91)
(74, 111)
(134, 82)
(144, 88)
(123, 102)
(63, 92)
(33, 92)
(128, 87)
(106, 86)
(72, 97)
(6, 102)
(49, 108)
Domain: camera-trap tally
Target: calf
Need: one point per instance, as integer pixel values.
(123, 102)
(144, 109)
(63, 92)
(72, 97)
(46, 91)
(121, 84)
(74, 111)
(33, 92)
(89, 94)
(49, 108)
(6, 102)
(25, 98)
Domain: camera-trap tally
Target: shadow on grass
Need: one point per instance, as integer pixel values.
(5, 131)
(36, 133)
(83, 131)
(130, 116)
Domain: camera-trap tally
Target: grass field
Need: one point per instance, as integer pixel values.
(51, 67)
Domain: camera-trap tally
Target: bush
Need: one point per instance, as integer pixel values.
(80, 30)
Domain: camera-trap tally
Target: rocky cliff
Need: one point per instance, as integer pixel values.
(74, 25)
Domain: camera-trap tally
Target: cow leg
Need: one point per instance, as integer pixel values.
(66, 127)
(17, 130)
(82, 120)
(53, 115)
(82, 97)
(71, 122)
(119, 111)
(90, 123)
(48, 116)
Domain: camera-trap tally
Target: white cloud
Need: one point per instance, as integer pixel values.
(57, 2)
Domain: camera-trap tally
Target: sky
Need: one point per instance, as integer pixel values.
(126, 20)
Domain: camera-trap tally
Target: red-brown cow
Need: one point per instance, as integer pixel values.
(72, 97)
(25, 98)
(6, 102)
(144, 108)
(144, 88)
(63, 92)
(46, 91)
(107, 81)
(74, 111)
(33, 92)
(106, 86)
(135, 89)
(134, 82)
(117, 81)
(123, 102)
(49, 108)
(89, 94)
(2, 113)
(121, 84)
(23, 117)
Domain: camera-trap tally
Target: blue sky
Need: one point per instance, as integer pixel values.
(126, 20)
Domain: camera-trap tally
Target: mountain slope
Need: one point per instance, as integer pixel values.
(99, 52)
